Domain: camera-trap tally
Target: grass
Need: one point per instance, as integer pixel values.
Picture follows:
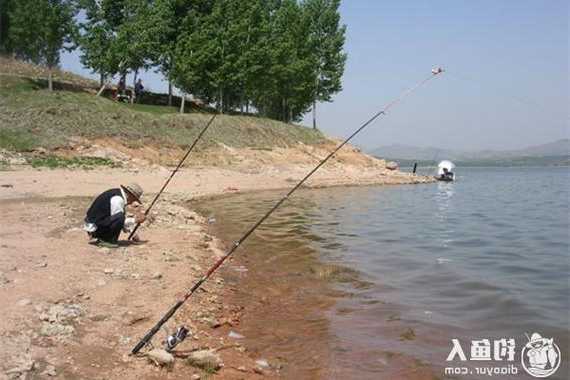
(54, 162)
(17, 140)
(152, 109)
(31, 117)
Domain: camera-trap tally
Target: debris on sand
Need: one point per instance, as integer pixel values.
(409, 334)
(62, 313)
(19, 372)
(235, 335)
(24, 302)
(160, 357)
(3, 279)
(56, 329)
(50, 371)
(207, 360)
(262, 363)
(57, 319)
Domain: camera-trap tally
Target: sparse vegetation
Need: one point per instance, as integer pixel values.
(54, 162)
(17, 140)
(32, 117)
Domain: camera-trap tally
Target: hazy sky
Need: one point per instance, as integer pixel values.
(506, 84)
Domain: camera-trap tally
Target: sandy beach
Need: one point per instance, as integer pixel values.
(75, 310)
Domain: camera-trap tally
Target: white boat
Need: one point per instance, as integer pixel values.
(445, 171)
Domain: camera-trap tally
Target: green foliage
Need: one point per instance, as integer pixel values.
(278, 57)
(53, 162)
(5, 6)
(51, 121)
(97, 35)
(326, 39)
(40, 29)
(17, 140)
(267, 54)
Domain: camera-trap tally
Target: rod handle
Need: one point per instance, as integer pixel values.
(152, 332)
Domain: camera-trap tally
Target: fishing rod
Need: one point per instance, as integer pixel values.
(146, 339)
(173, 173)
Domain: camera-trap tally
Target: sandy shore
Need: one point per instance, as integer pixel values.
(73, 310)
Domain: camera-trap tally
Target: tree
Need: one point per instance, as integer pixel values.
(98, 34)
(327, 39)
(207, 53)
(39, 35)
(171, 14)
(288, 90)
(118, 36)
(5, 6)
(138, 36)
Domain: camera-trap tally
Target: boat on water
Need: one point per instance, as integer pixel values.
(445, 171)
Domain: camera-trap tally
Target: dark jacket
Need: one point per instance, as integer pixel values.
(100, 211)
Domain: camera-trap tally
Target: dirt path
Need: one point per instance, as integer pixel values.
(72, 310)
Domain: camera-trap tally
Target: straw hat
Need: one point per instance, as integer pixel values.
(135, 190)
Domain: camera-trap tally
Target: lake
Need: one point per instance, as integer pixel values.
(375, 282)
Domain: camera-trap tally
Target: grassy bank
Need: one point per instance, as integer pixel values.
(32, 117)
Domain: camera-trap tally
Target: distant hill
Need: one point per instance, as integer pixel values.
(553, 153)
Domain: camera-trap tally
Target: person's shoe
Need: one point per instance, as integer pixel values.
(107, 244)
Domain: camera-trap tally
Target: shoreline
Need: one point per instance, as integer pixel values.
(114, 297)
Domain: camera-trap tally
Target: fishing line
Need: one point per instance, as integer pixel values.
(173, 173)
(146, 339)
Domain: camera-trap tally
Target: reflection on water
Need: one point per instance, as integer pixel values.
(413, 267)
(444, 202)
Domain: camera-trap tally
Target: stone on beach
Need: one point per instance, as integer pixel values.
(24, 302)
(392, 165)
(160, 357)
(262, 363)
(205, 359)
(50, 371)
(235, 335)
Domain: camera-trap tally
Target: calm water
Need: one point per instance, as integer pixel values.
(484, 257)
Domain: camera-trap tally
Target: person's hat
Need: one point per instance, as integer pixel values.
(135, 190)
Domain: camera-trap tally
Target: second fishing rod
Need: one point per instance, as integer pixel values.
(150, 334)
(173, 173)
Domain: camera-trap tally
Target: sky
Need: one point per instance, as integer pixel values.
(506, 84)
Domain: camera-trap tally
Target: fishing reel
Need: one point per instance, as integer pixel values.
(174, 339)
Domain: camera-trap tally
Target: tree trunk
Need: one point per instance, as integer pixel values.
(315, 114)
(50, 78)
(182, 102)
(133, 94)
(101, 89)
(169, 92)
(101, 79)
(221, 100)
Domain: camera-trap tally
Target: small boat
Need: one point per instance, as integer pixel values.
(445, 171)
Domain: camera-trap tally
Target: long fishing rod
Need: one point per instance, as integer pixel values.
(173, 173)
(146, 339)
